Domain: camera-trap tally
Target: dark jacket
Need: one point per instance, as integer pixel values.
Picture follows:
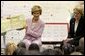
(80, 32)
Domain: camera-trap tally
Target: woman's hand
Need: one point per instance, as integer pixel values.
(68, 39)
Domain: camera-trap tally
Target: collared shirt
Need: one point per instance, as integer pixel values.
(76, 25)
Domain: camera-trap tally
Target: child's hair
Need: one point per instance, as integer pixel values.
(36, 8)
(34, 46)
(48, 52)
(10, 48)
(19, 51)
(21, 44)
(58, 51)
(67, 49)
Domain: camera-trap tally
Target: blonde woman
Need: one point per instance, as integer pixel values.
(34, 28)
(77, 29)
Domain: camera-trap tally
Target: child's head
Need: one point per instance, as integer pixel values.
(35, 9)
(34, 46)
(48, 52)
(58, 51)
(10, 48)
(21, 44)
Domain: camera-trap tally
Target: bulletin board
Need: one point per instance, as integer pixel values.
(55, 32)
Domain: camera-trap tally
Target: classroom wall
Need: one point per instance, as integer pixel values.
(52, 11)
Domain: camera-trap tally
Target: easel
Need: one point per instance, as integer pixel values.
(3, 34)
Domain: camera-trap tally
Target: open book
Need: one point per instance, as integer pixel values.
(14, 22)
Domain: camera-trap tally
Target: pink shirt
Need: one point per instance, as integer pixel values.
(35, 32)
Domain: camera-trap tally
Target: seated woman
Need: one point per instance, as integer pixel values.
(34, 28)
(77, 29)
